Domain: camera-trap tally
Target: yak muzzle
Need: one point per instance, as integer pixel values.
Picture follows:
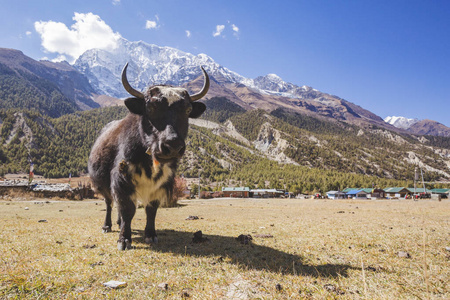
(170, 149)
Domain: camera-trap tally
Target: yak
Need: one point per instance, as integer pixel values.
(134, 160)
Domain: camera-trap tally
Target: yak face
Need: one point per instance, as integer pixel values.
(165, 111)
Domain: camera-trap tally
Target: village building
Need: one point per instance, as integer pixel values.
(46, 190)
(371, 193)
(336, 195)
(266, 193)
(396, 192)
(418, 190)
(376, 193)
(236, 192)
(444, 193)
(357, 194)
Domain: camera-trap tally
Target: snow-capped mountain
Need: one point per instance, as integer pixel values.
(151, 64)
(148, 64)
(401, 122)
(273, 84)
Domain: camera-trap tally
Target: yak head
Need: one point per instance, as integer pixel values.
(164, 112)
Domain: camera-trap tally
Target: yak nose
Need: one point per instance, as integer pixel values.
(173, 148)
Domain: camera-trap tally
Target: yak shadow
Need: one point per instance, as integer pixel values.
(250, 256)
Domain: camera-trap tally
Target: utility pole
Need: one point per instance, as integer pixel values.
(424, 189)
(416, 177)
(199, 184)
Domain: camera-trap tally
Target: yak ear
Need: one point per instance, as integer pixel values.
(135, 105)
(197, 109)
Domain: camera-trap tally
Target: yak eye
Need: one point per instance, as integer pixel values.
(188, 110)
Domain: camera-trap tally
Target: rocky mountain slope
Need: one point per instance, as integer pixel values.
(400, 122)
(151, 64)
(250, 124)
(429, 127)
(52, 88)
(231, 144)
(419, 127)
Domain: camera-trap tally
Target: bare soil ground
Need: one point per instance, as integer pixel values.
(313, 249)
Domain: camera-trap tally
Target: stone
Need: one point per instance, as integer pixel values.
(115, 284)
(244, 238)
(164, 286)
(403, 254)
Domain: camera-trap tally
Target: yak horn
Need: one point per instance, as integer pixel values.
(204, 90)
(127, 85)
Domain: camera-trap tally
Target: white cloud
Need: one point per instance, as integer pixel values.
(219, 29)
(149, 24)
(88, 32)
(28, 33)
(115, 2)
(236, 30)
(60, 58)
(188, 33)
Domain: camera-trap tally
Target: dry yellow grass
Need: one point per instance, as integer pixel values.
(317, 251)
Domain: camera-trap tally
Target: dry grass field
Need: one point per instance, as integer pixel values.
(300, 249)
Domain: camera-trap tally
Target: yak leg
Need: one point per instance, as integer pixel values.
(150, 232)
(126, 212)
(108, 224)
(119, 219)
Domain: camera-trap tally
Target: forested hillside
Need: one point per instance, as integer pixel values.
(53, 89)
(255, 148)
(25, 90)
(57, 147)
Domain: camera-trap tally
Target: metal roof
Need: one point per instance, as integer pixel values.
(336, 193)
(235, 189)
(267, 191)
(418, 190)
(395, 189)
(355, 192)
(440, 191)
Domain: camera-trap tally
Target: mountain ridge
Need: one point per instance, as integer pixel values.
(50, 84)
(419, 127)
(150, 64)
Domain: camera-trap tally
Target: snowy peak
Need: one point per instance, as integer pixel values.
(151, 64)
(401, 122)
(148, 64)
(273, 83)
(274, 77)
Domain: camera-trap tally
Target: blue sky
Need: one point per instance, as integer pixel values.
(390, 57)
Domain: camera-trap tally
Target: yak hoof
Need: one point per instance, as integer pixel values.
(151, 240)
(125, 245)
(106, 229)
